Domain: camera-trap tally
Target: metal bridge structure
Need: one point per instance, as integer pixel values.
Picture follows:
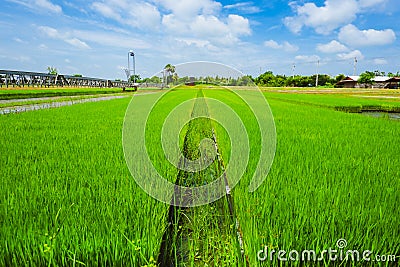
(10, 78)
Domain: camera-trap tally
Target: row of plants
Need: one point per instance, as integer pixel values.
(352, 102)
(334, 177)
(67, 195)
(54, 92)
(69, 198)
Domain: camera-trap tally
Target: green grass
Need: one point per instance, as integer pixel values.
(67, 196)
(347, 102)
(57, 99)
(49, 92)
(334, 176)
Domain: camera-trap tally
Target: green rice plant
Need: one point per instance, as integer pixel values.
(343, 102)
(16, 103)
(68, 198)
(49, 92)
(67, 195)
(334, 176)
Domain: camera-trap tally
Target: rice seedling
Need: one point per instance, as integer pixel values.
(334, 176)
(68, 198)
(67, 195)
(49, 92)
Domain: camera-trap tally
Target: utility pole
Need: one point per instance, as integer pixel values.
(355, 66)
(316, 80)
(293, 69)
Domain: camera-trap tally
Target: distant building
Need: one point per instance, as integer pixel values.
(394, 83)
(377, 82)
(191, 82)
(349, 82)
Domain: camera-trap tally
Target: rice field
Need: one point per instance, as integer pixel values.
(68, 197)
(19, 93)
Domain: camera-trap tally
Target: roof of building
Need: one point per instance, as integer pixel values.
(381, 79)
(352, 78)
(394, 79)
(375, 79)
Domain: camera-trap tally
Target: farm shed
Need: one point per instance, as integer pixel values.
(349, 82)
(378, 82)
(393, 83)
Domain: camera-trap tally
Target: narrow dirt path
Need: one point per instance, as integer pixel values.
(207, 235)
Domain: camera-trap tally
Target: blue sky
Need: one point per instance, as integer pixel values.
(93, 38)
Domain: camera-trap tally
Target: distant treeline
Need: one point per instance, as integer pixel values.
(176, 80)
(268, 79)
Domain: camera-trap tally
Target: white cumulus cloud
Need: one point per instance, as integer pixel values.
(352, 36)
(370, 3)
(187, 9)
(380, 61)
(323, 19)
(77, 43)
(39, 5)
(286, 46)
(332, 47)
(145, 15)
(183, 19)
(66, 37)
(139, 15)
(244, 7)
(209, 27)
(238, 25)
(351, 55)
(49, 6)
(106, 10)
(307, 58)
(330, 16)
(111, 39)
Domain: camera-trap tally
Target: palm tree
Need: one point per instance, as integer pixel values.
(170, 70)
(52, 70)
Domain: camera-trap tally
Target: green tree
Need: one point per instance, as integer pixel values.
(245, 80)
(366, 77)
(290, 82)
(379, 73)
(175, 78)
(52, 70)
(135, 78)
(266, 79)
(280, 80)
(183, 80)
(155, 79)
(323, 79)
(169, 69)
(340, 77)
(397, 74)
